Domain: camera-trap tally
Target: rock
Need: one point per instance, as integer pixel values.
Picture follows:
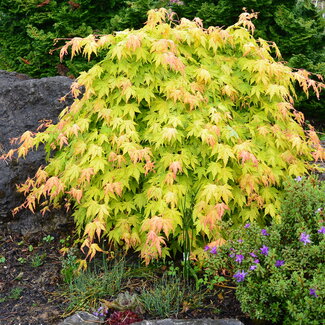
(207, 321)
(23, 103)
(84, 318)
(81, 318)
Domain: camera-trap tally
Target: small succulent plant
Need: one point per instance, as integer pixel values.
(123, 318)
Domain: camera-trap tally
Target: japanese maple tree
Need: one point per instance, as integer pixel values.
(175, 117)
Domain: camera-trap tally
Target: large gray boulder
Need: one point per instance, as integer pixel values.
(23, 103)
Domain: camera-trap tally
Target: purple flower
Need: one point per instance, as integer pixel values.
(312, 292)
(247, 225)
(253, 267)
(264, 250)
(239, 258)
(305, 238)
(240, 240)
(279, 263)
(213, 250)
(252, 254)
(206, 248)
(298, 179)
(264, 232)
(322, 230)
(232, 255)
(256, 261)
(240, 276)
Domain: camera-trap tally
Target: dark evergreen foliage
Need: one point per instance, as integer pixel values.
(28, 29)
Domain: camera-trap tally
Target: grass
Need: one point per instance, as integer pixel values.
(87, 288)
(120, 284)
(165, 298)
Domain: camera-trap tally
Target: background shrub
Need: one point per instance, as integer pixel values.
(28, 29)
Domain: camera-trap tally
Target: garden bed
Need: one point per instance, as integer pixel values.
(31, 286)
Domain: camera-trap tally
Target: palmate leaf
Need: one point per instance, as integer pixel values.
(174, 113)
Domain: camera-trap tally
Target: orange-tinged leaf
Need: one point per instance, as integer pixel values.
(53, 186)
(133, 42)
(214, 215)
(76, 194)
(148, 167)
(114, 188)
(173, 61)
(62, 140)
(155, 241)
(86, 174)
(175, 167)
(41, 176)
(245, 156)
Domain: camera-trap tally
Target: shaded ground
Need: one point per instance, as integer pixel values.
(29, 276)
(30, 280)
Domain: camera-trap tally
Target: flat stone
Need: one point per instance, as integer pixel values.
(81, 318)
(168, 321)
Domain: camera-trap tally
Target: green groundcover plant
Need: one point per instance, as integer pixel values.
(280, 269)
(175, 119)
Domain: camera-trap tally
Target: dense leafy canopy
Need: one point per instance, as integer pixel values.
(174, 118)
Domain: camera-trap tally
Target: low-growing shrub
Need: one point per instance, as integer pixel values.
(280, 270)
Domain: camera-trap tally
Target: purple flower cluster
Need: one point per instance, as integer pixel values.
(264, 232)
(279, 263)
(100, 312)
(305, 238)
(239, 258)
(264, 250)
(213, 250)
(322, 230)
(240, 276)
(312, 292)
